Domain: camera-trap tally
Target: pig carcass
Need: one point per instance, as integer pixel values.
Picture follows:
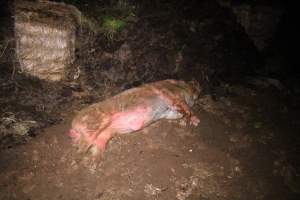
(132, 110)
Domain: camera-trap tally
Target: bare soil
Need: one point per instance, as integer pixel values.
(242, 149)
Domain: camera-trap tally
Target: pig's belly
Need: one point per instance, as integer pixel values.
(141, 116)
(131, 120)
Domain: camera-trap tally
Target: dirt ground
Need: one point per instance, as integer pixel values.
(244, 148)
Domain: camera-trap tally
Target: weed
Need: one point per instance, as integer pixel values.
(112, 26)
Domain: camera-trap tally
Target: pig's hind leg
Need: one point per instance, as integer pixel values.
(99, 144)
(89, 139)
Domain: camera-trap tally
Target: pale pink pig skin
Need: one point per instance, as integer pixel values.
(131, 111)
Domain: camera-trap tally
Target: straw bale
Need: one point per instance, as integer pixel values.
(47, 42)
(44, 55)
(45, 38)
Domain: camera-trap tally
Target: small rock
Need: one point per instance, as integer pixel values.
(173, 170)
(28, 188)
(182, 122)
(35, 156)
(237, 169)
(151, 190)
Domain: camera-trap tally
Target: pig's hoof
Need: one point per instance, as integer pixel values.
(80, 150)
(96, 154)
(83, 147)
(195, 120)
(90, 163)
(92, 159)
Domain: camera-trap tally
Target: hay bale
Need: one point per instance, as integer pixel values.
(45, 38)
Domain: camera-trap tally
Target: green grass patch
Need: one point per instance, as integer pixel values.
(111, 27)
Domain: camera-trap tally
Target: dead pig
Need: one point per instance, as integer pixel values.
(132, 110)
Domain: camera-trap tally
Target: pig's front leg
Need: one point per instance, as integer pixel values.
(191, 117)
(183, 108)
(175, 102)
